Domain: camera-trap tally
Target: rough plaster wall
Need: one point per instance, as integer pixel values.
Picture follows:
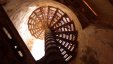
(95, 43)
(101, 41)
(95, 46)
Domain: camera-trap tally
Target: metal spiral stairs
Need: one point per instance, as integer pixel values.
(62, 27)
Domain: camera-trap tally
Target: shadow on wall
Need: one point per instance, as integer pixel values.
(111, 1)
(3, 2)
(89, 56)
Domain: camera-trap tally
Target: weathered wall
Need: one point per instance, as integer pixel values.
(95, 46)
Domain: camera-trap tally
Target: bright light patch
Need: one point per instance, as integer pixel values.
(38, 49)
(35, 46)
(32, 8)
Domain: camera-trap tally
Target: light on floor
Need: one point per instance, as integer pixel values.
(38, 49)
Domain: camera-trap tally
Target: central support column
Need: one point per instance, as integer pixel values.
(52, 52)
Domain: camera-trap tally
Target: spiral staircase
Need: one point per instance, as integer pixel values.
(51, 18)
